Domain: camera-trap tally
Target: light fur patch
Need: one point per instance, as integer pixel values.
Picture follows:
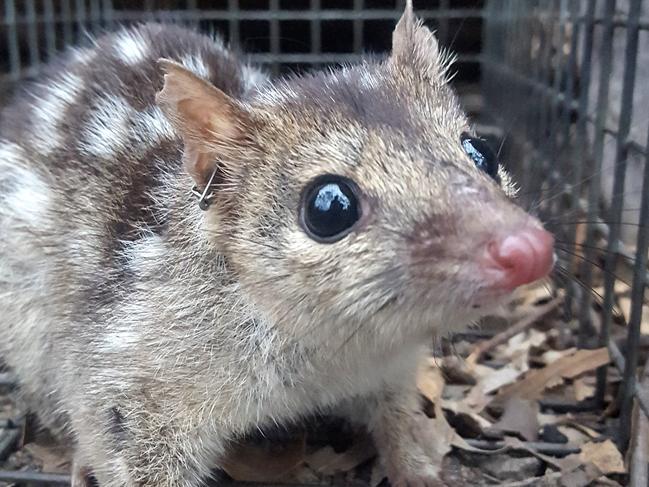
(49, 110)
(195, 64)
(153, 127)
(11, 155)
(107, 132)
(131, 48)
(28, 195)
(368, 80)
(253, 78)
(141, 253)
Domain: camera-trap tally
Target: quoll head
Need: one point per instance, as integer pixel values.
(358, 196)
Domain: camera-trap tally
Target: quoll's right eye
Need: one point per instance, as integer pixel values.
(482, 155)
(330, 208)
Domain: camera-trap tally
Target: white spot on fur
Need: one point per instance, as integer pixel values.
(252, 78)
(28, 195)
(145, 251)
(131, 47)
(10, 156)
(368, 80)
(195, 64)
(275, 96)
(152, 126)
(107, 131)
(48, 110)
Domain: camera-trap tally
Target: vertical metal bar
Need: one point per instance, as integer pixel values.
(107, 13)
(80, 14)
(578, 153)
(530, 174)
(32, 34)
(149, 10)
(569, 165)
(617, 203)
(12, 39)
(192, 10)
(95, 16)
(637, 300)
(358, 27)
(66, 19)
(560, 70)
(274, 35)
(50, 28)
(442, 29)
(585, 325)
(316, 30)
(233, 8)
(553, 81)
(540, 157)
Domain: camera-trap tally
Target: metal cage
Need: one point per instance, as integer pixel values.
(564, 81)
(282, 35)
(574, 114)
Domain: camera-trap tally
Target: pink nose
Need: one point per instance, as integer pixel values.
(522, 257)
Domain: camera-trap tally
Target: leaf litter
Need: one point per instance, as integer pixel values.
(489, 400)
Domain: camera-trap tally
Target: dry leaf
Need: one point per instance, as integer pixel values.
(604, 455)
(582, 389)
(460, 407)
(520, 416)
(327, 462)
(523, 342)
(430, 380)
(249, 463)
(491, 380)
(567, 367)
(552, 356)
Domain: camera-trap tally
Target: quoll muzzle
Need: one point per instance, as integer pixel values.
(520, 257)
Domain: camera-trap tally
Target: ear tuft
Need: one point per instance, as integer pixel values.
(414, 45)
(209, 121)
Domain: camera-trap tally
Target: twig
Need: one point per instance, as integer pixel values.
(522, 325)
(638, 453)
(557, 449)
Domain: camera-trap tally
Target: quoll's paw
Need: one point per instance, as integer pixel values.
(412, 453)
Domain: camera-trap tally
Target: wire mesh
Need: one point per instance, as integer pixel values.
(552, 71)
(570, 108)
(283, 35)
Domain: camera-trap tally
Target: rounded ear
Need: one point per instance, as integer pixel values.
(415, 46)
(209, 121)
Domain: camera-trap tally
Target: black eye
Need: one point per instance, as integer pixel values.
(481, 153)
(330, 208)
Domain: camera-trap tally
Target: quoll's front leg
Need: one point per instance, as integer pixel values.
(406, 440)
(131, 448)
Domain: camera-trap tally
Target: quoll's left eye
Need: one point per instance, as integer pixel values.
(330, 208)
(482, 155)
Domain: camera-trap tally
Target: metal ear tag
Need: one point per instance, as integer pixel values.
(205, 199)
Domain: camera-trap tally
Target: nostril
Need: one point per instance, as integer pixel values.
(522, 257)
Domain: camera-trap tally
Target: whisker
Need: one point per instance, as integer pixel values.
(595, 264)
(600, 299)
